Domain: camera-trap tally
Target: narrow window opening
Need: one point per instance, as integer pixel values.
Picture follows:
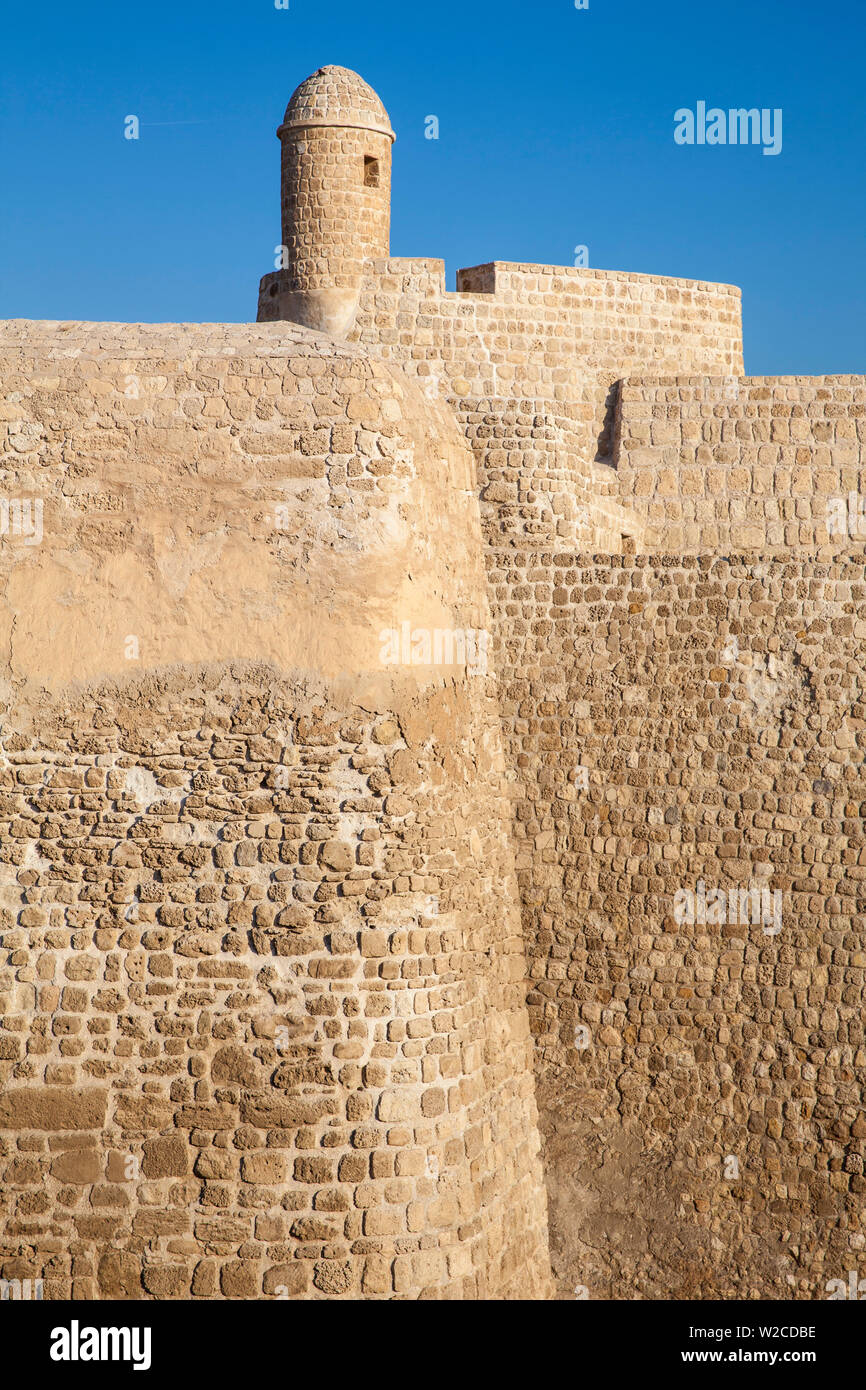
(371, 172)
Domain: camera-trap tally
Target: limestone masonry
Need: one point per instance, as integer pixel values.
(379, 680)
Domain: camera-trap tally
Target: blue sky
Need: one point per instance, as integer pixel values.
(556, 130)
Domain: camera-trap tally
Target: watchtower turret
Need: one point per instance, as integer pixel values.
(336, 197)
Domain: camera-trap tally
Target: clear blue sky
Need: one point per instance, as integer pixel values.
(556, 129)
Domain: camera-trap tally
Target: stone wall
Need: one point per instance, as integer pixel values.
(261, 1035)
(671, 720)
(713, 464)
(263, 979)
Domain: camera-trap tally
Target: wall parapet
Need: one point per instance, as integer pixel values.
(731, 462)
(507, 274)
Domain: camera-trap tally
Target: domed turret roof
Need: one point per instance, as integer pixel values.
(336, 97)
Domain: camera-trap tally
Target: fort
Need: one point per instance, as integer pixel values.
(325, 976)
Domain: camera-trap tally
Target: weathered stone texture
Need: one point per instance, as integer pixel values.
(649, 757)
(743, 463)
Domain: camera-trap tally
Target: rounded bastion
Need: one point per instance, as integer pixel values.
(263, 1035)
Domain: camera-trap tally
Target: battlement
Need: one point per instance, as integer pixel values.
(500, 276)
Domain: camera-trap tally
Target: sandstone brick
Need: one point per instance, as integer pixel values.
(80, 1166)
(51, 1108)
(165, 1158)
